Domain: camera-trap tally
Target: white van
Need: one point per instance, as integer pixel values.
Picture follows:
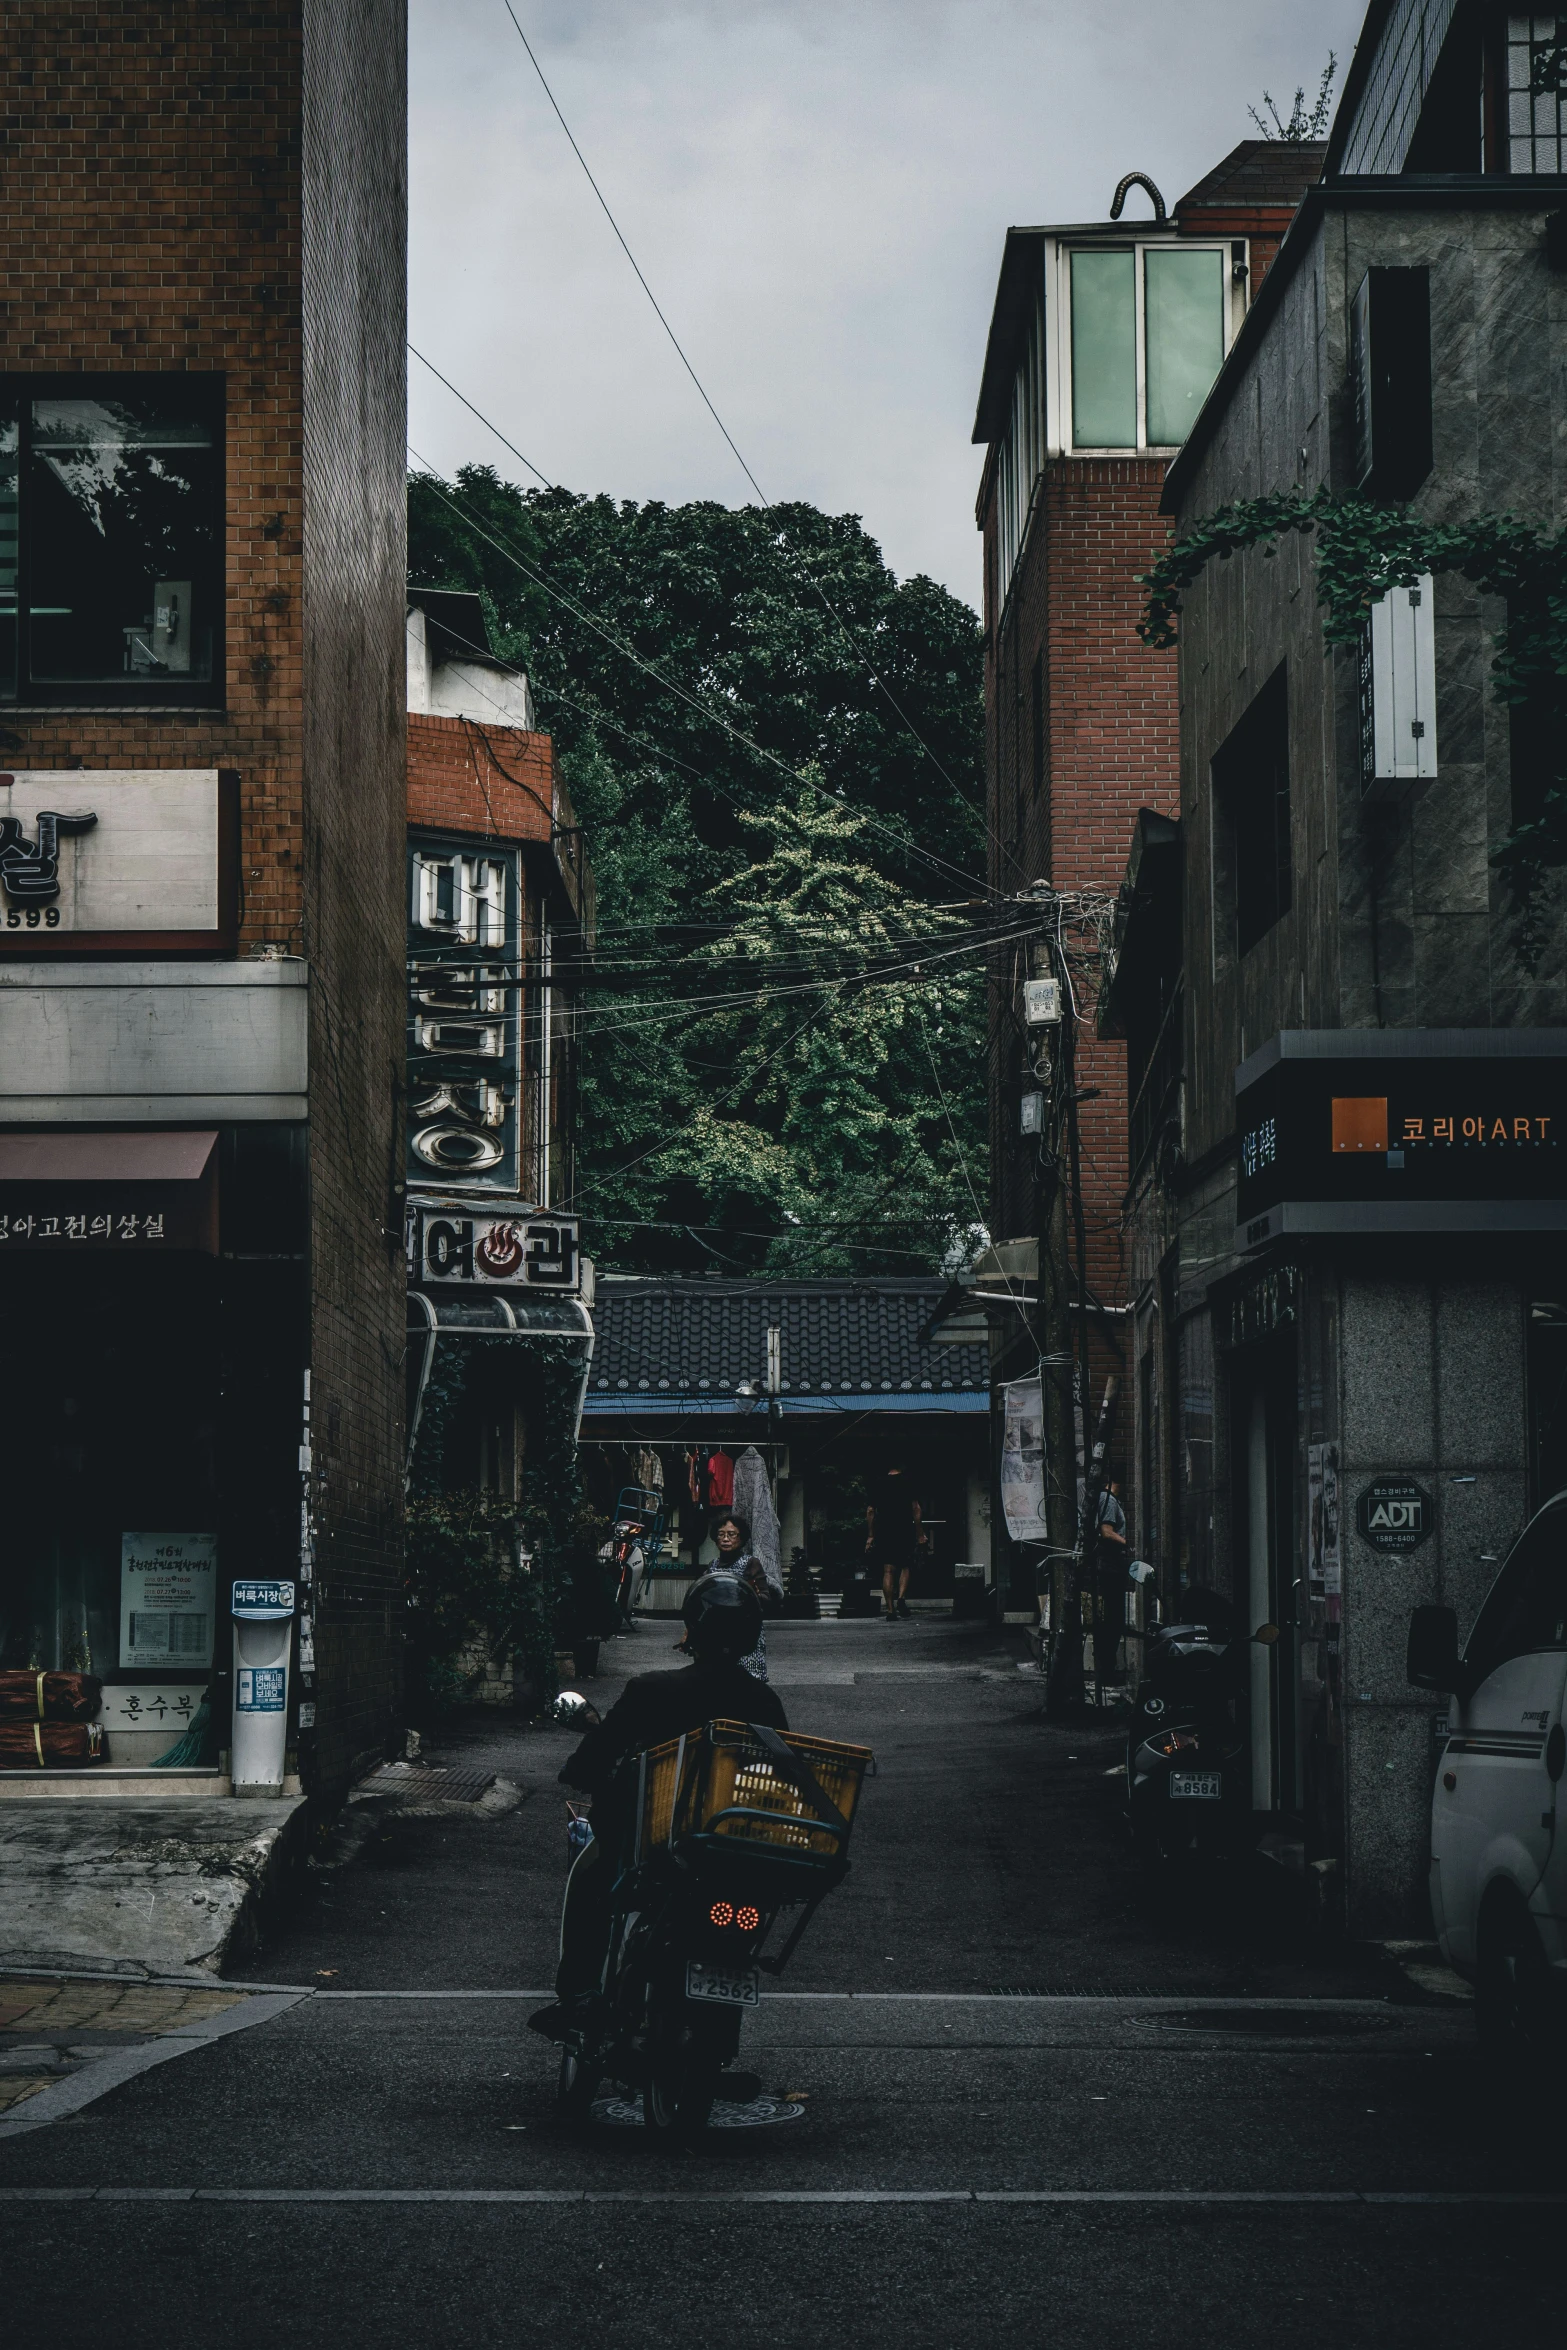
(1498, 1856)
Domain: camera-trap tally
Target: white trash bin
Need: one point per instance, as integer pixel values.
(263, 1645)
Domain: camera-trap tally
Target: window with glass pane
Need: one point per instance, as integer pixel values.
(115, 546)
(1536, 93)
(1183, 328)
(1104, 350)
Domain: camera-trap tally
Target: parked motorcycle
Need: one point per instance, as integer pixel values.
(1188, 1750)
(741, 1832)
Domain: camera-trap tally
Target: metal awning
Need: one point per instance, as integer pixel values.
(492, 1314)
(130, 1155)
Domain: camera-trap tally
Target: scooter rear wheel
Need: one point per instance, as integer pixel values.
(576, 2086)
(684, 2062)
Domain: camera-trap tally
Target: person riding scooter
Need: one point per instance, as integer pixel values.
(723, 1621)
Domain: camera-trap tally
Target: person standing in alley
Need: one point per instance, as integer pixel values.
(894, 1539)
(1111, 1557)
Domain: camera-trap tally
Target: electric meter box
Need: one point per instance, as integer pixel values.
(263, 1649)
(1041, 1003)
(1398, 688)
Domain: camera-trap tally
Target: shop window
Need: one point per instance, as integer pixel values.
(1251, 786)
(1148, 338)
(111, 539)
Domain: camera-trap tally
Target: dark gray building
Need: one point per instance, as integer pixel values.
(1349, 1184)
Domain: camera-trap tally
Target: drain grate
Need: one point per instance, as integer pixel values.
(1277, 2023)
(427, 1783)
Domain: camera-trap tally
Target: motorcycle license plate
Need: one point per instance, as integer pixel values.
(736, 1986)
(1196, 1787)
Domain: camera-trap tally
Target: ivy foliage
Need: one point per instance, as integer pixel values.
(517, 1574)
(706, 1140)
(1363, 550)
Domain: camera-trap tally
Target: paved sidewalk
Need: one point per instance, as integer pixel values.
(51, 2029)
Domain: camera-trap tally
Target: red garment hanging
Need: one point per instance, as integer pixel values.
(720, 1481)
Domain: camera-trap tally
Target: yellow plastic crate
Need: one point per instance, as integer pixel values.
(691, 1781)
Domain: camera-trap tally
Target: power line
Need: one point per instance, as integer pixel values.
(683, 693)
(484, 420)
(815, 585)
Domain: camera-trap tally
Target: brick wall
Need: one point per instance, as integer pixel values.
(1111, 747)
(494, 779)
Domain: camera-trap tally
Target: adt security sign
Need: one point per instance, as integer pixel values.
(1394, 1514)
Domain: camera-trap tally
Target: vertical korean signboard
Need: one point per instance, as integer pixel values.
(464, 1014)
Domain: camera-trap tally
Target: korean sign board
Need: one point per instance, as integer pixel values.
(168, 1600)
(486, 1251)
(465, 998)
(96, 860)
(1317, 1123)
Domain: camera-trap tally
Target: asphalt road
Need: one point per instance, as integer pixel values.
(1015, 2094)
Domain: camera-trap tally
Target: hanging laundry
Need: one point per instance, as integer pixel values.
(753, 1499)
(720, 1481)
(650, 1469)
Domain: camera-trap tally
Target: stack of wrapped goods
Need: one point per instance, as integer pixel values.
(46, 1721)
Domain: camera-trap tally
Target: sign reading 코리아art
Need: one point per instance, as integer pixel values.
(1394, 1514)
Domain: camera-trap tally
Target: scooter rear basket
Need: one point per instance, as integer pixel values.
(722, 1781)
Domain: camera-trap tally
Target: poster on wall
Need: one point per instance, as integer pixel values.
(1023, 1462)
(168, 1599)
(1324, 1574)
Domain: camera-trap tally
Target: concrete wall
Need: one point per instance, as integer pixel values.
(353, 245)
(1431, 1387)
(1398, 918)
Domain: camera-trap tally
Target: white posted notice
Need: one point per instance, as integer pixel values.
(168, 1599)
(1023, 1462)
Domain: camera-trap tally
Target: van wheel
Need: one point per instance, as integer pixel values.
(1514, 1994)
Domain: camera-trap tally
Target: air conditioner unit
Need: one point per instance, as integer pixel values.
(1041, 1003)
(1398, 688)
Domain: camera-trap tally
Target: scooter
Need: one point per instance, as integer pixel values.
(1188, 1777)
(738, 1829)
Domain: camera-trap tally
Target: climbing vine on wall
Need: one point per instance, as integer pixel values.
(1362, 551)
(477, 1564)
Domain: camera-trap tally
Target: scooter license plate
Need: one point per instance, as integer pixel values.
(737, 1987)
(1196, 1787)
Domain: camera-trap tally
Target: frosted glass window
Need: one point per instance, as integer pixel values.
(1104, 350)
(1184, 338)
(1536, 93)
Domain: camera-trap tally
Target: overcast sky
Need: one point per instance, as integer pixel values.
(817, 191)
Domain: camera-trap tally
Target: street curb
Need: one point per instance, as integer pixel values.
(95, 2079)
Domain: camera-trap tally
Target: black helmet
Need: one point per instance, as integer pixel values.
(722, 1617)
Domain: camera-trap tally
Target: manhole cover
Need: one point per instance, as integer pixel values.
(1277, 2023)
(625, 2113)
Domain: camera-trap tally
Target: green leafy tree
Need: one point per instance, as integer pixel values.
(693, 664)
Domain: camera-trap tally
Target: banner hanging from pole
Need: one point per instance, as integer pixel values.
(1023, 1461)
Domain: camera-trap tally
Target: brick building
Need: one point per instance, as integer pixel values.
(500, 919)
(201, 842)
(1104, 340)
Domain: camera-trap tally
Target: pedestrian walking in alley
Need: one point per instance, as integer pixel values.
(895, 1540)
(1111, 1556)
(735, 1557)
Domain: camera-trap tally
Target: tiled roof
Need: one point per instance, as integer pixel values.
(701, 1339)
